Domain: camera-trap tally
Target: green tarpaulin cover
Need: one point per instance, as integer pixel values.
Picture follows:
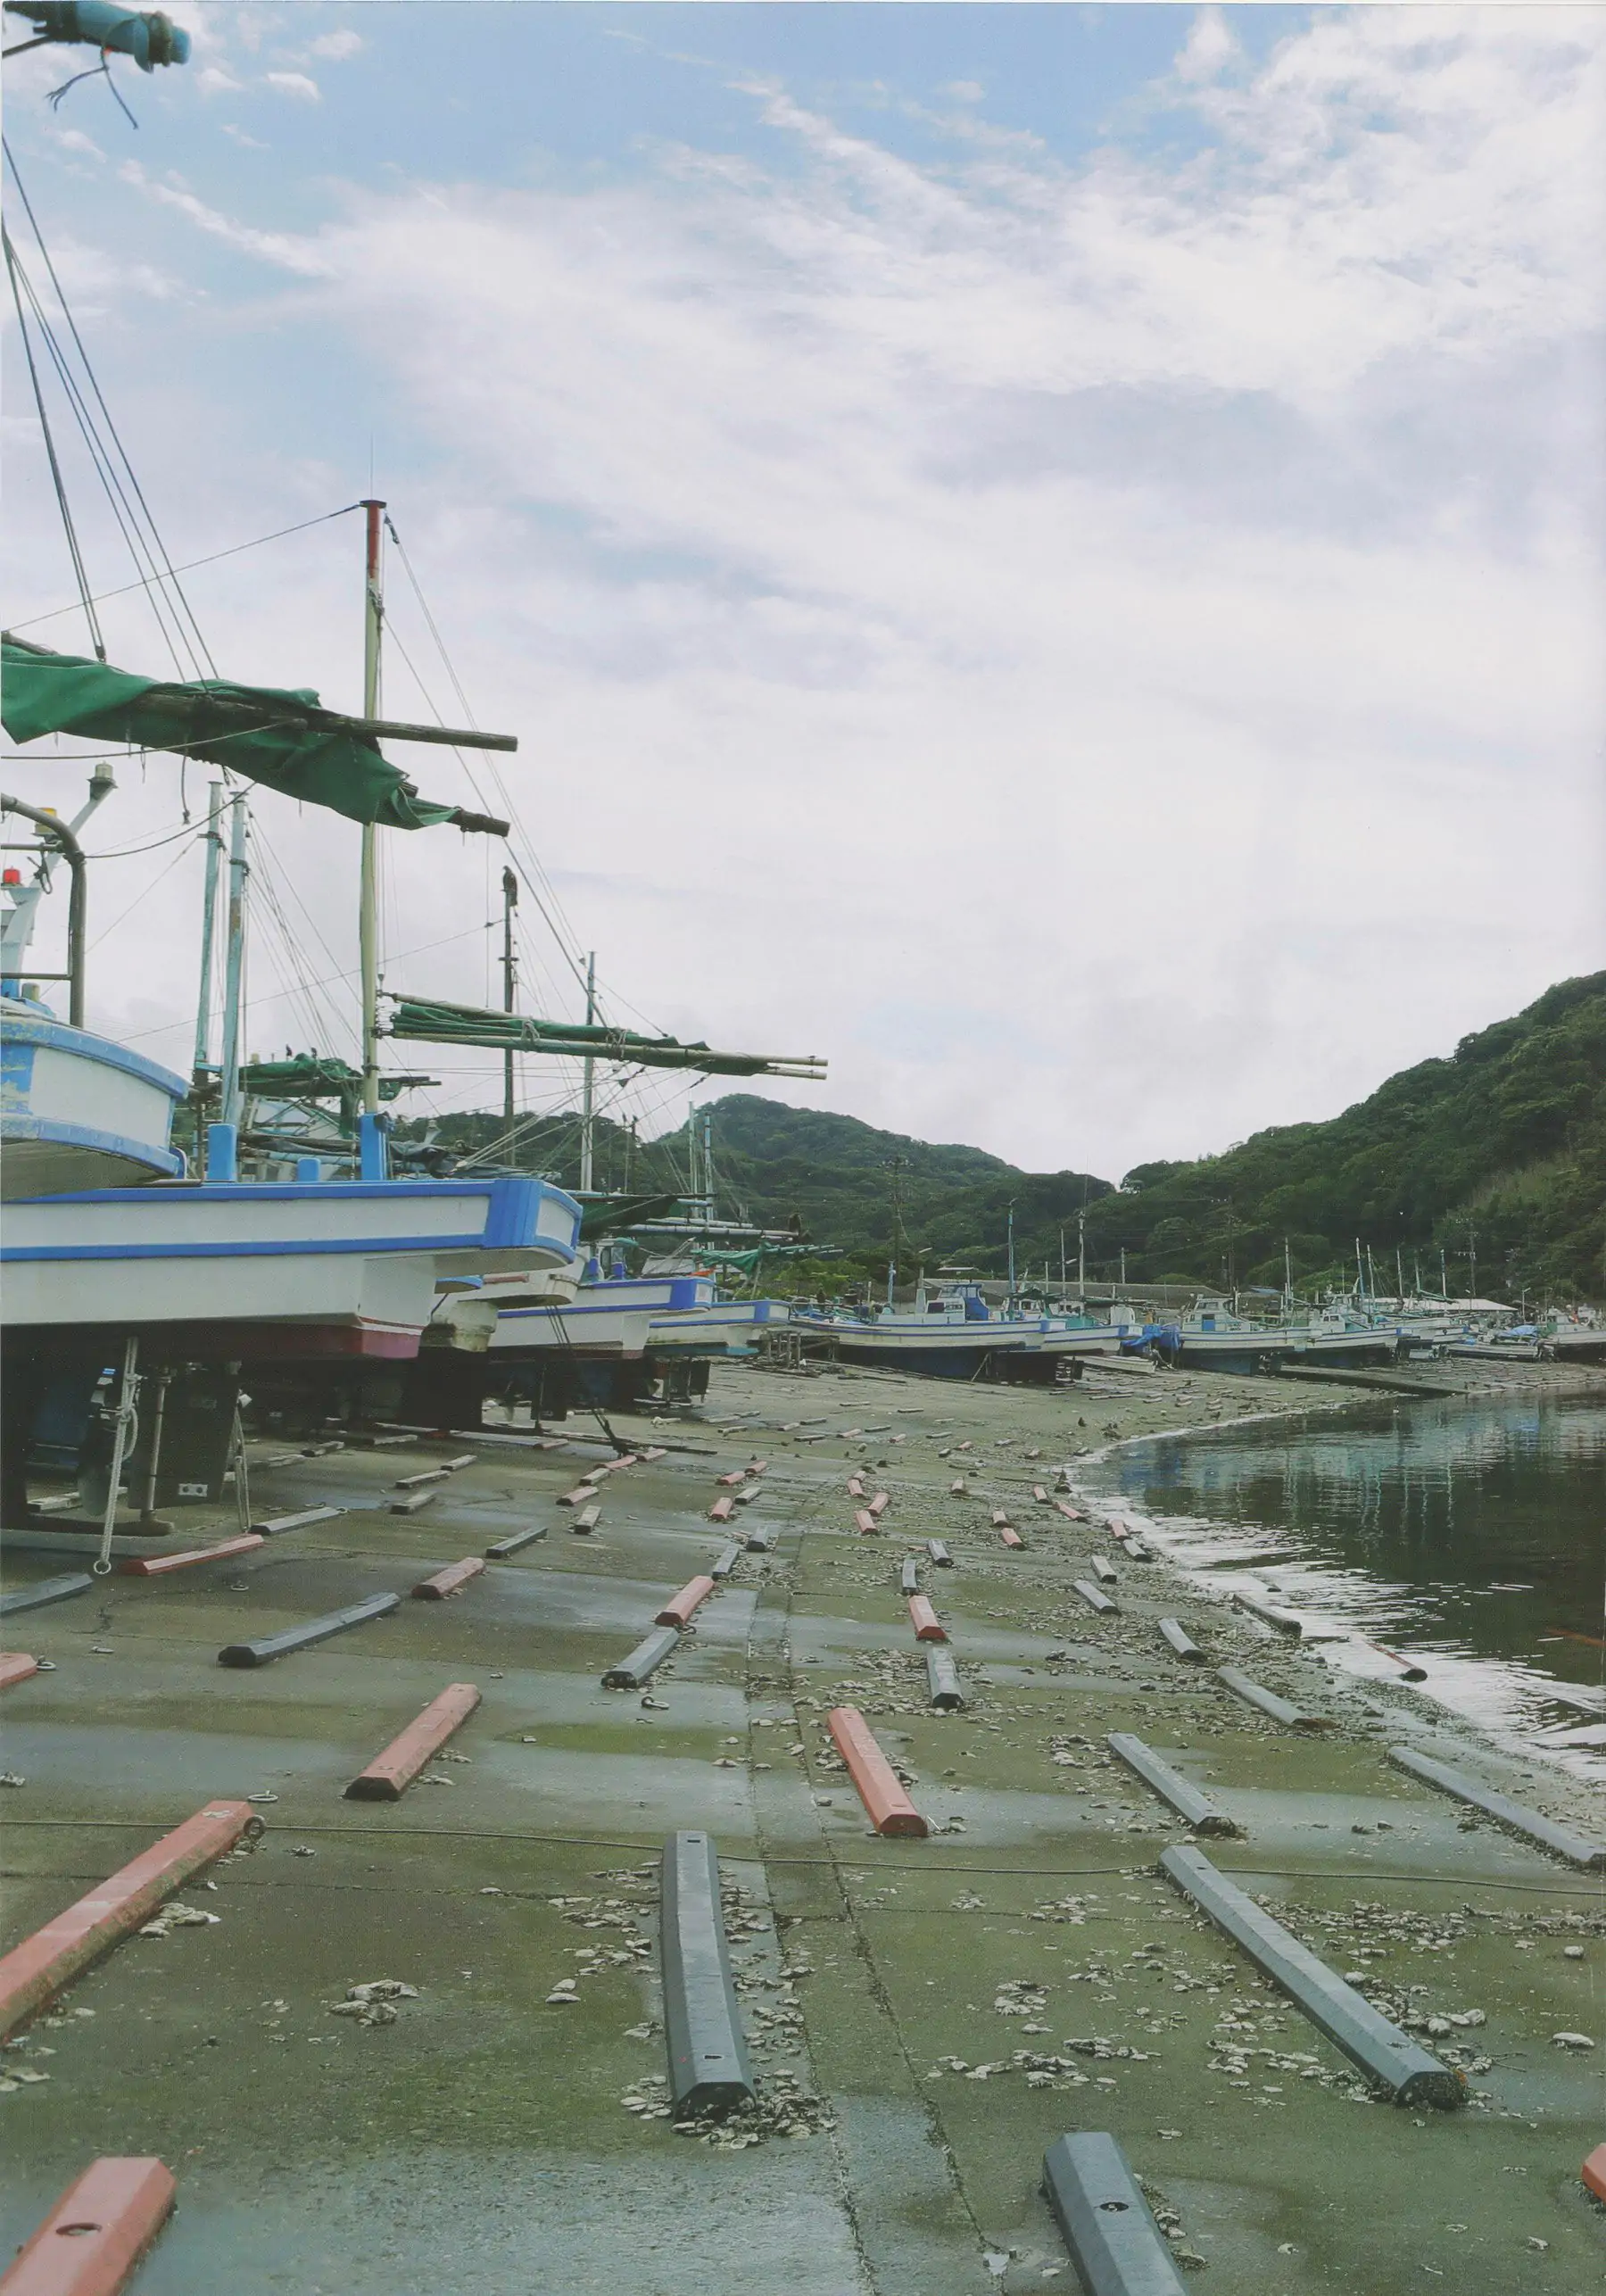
(282, 738)
(439, 1023)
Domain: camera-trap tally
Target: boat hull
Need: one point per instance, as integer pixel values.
(78, 1111)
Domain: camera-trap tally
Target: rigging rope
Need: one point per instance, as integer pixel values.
(73, 551)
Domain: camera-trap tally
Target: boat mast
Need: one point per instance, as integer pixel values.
(368, 914)
(1081, 1258)
(1012, 1267)
(222, 1147)
(510, 978)
(209, 912)
(588, 1111)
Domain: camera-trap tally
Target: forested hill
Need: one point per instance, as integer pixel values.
(1499, 1149)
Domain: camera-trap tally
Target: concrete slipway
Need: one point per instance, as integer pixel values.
(924, 2016)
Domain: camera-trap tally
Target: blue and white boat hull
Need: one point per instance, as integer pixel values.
(78, 1111)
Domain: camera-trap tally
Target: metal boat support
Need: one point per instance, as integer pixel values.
(644, 1661)
(1173, 1632)
(43, 1591)
(1577, 1849)
(278, 1646)
(1103, 2219)
(1256, 1693)
(709, 2068)
(1185, 1798)
(942, 1680)
(1409, 2074)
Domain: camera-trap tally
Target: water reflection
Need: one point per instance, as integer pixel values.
(1474, 1534)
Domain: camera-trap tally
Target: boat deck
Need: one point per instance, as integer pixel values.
(924, 2016)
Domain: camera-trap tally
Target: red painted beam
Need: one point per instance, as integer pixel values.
(389, 1775)
(578, 1498)
(739, 1476)
(890, 1809)
(757, 1466)
(880, 1504)
(93, 2239)
(928, 1626)
(1071, 1515)
(448, 1581)
(956, 1489)
(856, 1489)
(692, 1595)
(866, 1522)
(155, 1566)
(16, 1666)
(722, 1510)
(1010, 1537)
(1593, 2173)
(31, 1972)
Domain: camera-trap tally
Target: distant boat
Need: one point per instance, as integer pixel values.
(951, 1332)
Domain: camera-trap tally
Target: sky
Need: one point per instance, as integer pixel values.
(1049, 555)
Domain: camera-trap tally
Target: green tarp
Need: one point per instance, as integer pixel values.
(283, 738)
(438, 1023)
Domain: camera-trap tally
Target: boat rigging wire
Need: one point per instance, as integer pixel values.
(150, 887)
(156, 547)
(73, 551)
(235, 550)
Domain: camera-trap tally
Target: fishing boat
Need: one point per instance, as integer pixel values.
(950, 1332)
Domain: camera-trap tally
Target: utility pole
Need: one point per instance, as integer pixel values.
(708, 1164)
(1399, 1278)
(1444, 1275)
(1081, 1258)
(629, 1146)
(1062, 1263)
(1471, 1260)
(588, 1089)
(1012, 1265)
(510, 963)
(1123, 1268)
(368, 914)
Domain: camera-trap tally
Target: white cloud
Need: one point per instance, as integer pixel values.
(280, 248)
(213, 80)
(1105, 651)
(238, 136)
(338, 47)
(295, 84)
(964, 91)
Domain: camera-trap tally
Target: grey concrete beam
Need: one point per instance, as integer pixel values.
(1174, 1632)
(1114, 2242)
(942, 1680)
(270, 1646)
(709, 2068)
(1577, 1849)
(43, 1591)
(644, 1661)
(501, 1548)
(1185, 1798)
(1386, 2056)
(1256, 1693)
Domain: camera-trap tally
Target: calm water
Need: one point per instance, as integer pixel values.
(1471, 1535)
